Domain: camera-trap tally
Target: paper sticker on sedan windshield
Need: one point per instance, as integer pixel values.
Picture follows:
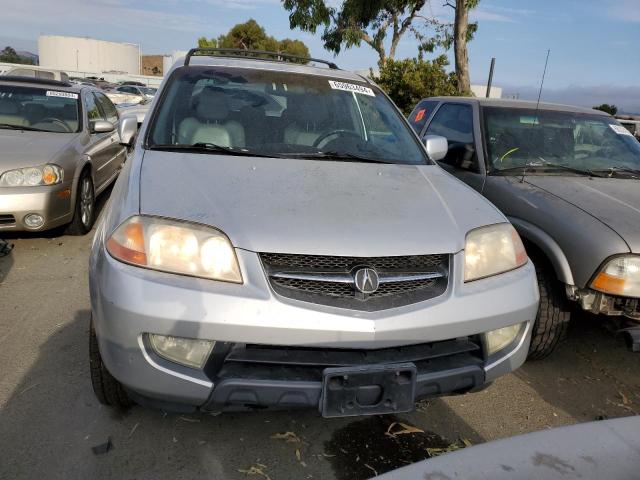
(351, 87)
(620, 130)
(51, 93)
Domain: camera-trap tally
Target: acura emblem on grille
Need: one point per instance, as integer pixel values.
(366, 280)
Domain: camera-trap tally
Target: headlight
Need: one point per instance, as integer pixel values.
(620, 276)
(48, 174)
(492, 250)
(175, 247)
(496, 340)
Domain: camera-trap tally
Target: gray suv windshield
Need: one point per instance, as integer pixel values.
(590, 143)
(277, 113)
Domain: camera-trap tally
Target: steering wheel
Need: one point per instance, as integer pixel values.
(57, 121)
(337, 133)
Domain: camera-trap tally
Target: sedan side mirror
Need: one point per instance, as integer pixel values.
(128, 129)
(101, 126)
(437, 147)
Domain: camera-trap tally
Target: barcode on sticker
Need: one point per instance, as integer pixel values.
(52, 93)
(620, 130)
(351, 87)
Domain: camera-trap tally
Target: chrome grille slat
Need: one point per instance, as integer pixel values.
(329, 280)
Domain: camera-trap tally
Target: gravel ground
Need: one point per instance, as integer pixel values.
(50, 420)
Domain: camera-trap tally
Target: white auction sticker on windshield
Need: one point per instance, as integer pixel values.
(52, 93)
(351, 87)
(620, 130)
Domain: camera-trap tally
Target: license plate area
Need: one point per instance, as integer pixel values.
(368, 390)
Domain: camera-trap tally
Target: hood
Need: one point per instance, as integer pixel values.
(315, 207)
(20, 149)
(613, 201)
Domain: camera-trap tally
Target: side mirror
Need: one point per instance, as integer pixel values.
(437, 147)
(128, 129)
(101, 126)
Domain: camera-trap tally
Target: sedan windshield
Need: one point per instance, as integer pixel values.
(38, 109)
(274, 113)
(558, 140)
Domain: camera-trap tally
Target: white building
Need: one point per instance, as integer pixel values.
(83, 54)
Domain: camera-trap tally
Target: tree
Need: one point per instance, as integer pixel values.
(203, 42)
(357, 21)
(251, 36)
(9, 55)
(409, 81)
(461, 35)
(605, 107)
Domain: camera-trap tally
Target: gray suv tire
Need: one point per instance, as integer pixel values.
(106, 388)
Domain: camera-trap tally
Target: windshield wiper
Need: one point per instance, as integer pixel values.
(202, 147)
(332, 155)
(609, 172)
(19, 127)
(546, 166)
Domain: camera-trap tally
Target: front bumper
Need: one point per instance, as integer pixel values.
(53, 203)
(128, 302)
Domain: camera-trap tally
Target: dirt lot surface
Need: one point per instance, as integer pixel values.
(50, 420)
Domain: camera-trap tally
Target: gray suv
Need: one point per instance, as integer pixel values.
(281, 238)
(568, 179)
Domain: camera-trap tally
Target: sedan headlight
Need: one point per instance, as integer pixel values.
(619, 276)
(48, 174)
(175, 247)
(492, 250)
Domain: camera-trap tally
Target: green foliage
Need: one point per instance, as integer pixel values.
(203, 42)
(605, 107)
(251, 36)
(409, 81)
(355, 21)
(9, 55)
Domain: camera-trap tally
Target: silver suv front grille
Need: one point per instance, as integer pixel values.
(330, 280)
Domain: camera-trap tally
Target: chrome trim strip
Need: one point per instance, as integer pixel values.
(347, 278)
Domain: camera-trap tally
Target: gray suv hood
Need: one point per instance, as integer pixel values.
(19, 149)
(315, 207)
(613, 201)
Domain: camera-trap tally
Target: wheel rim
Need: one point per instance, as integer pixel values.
(86, 201)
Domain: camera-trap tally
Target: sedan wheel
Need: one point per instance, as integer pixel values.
(84, 210)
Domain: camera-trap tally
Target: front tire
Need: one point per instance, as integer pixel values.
(106, 388)
(552, 320)
(84, 211)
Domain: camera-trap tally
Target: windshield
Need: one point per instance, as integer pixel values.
(281, 114)
(148, 91)
(518, 137)
(47, 110)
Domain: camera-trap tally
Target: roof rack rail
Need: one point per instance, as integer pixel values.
(38, 80)
(253, 54)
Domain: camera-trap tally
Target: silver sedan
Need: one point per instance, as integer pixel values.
(59, 148)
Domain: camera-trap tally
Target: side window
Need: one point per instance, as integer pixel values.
(455, 123)
(110, 112)
(421, 114)
(93, 112)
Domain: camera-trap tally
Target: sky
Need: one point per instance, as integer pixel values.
(594, 43)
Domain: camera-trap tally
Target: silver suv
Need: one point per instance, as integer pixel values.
(280, 238)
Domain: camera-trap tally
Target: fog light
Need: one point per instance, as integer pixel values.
(33, 220)
(191, 352)
(496, 340)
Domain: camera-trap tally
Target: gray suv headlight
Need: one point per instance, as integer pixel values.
(48, 174)
(175, 247)
(492, 250)
(619, 276)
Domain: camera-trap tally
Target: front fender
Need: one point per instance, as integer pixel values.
(547, 245)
